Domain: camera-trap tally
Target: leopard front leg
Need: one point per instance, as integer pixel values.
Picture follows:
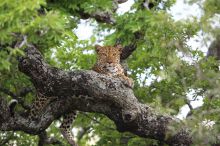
(37, 107)
(65, 128)
(126, 80)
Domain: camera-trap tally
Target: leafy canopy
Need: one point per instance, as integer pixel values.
(166, 70)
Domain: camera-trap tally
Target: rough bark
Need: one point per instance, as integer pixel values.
(214, 48)
(88, 91)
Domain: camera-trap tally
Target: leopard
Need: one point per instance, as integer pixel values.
(37, 108)
(65, 128)
(108, 63)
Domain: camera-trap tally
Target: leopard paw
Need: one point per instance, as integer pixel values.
(129, 82)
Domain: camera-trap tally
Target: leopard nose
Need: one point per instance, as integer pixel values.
(109, 61)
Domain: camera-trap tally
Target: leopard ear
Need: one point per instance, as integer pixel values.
(119, 47)
(97, 48)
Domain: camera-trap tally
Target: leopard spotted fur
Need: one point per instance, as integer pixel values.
(108, 62)
(40, 103)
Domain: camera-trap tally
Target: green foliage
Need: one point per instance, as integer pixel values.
(20, 138)
(160, 65)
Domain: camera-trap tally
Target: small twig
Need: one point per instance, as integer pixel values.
(44, 139)
(22, 43)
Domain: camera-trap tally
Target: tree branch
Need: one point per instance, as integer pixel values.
(44, 139)
(121, 1)
(99, 16)
(82, 132)
(129, 49)
(89, 91)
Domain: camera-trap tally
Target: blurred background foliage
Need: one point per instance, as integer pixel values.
(167, 71)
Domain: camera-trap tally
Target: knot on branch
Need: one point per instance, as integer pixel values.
(24, 65)
(129, 115)
(24, 61)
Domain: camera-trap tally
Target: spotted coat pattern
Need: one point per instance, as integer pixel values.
(108, 62)
(37, 108)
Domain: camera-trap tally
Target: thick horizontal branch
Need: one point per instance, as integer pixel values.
(89, 91)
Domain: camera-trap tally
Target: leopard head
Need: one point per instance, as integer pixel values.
(108, 54)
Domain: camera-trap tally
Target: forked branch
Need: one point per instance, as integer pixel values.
(89, 91)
